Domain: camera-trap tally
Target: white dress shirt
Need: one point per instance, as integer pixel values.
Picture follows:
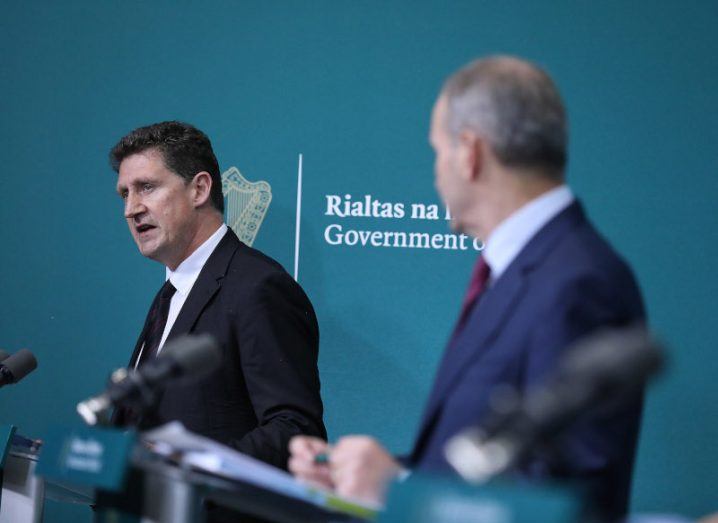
(183, 278)
(515, 232)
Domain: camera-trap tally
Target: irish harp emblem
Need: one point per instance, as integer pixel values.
(246, 204)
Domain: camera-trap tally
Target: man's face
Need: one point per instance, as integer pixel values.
(447, 177)
(158, 207)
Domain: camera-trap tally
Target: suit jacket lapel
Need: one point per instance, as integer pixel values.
(492, 312)
(207, 284)
(487, 317)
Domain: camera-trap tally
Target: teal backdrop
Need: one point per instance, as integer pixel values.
(349, 85)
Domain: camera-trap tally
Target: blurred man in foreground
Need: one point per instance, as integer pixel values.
(545, 279)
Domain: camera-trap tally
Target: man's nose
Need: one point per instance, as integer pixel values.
(133, 206)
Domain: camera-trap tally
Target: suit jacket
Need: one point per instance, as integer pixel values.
(564, 284)
(267, 387)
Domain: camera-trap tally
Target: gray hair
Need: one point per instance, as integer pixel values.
(516, 107)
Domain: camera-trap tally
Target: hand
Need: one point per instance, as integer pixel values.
(302, 461)
(362, 469)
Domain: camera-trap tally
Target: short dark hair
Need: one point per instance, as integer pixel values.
(185, 151)
(516, 106)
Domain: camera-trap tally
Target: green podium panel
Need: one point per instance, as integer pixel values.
(93, 457)
(422, 499)
(6, 434)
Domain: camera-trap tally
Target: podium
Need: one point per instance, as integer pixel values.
(171, 475)
(159, 492)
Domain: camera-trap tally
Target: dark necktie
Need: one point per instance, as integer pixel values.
(479, 278)
(151, 335)
(156, 321)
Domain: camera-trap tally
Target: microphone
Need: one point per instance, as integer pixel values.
(15, 367)
(190, 357)
(599, 370)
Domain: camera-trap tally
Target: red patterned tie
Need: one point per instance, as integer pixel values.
(479, 278)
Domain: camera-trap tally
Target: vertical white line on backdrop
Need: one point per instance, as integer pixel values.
(299, 217)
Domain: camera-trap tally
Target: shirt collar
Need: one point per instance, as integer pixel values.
(184, 276)
(512, 234)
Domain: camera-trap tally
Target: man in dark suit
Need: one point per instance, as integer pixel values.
(545, 279)
(267, 388)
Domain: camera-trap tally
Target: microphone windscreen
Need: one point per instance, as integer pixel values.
(4, 355)
(627, 354)
(198, 355)
(20, 364)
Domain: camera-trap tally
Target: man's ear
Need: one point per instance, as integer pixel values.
(202, 188)
(472, 154)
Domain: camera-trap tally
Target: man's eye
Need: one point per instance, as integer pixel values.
(147, 187)
(123, 195)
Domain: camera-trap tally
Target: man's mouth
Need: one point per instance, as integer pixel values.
(143, 228)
